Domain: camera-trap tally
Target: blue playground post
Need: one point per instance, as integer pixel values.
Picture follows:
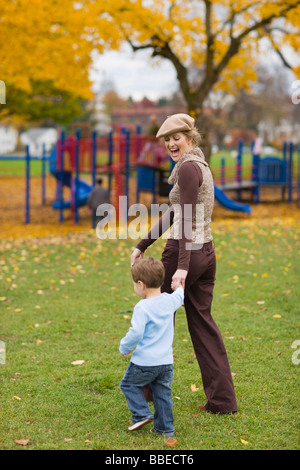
(44, 175)
(255, 176)
(222, 171)
(94, 155)
(138, 141)
(27, 190)
(61, 178)
(239, 167)
(290, 171)
(77, 150)
(127, 166)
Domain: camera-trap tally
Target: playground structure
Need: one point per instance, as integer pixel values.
(124, 155)
(265, 171)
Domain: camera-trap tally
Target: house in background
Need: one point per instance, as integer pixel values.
(36, 138)
(8, 139)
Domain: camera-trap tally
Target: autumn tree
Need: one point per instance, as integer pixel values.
(221, 39)
(44, 59)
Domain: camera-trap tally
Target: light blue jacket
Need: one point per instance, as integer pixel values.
(152, 330)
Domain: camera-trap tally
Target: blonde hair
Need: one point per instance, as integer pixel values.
(194, 136)
(150, 271)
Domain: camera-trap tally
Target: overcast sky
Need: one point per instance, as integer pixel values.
(135, 74)
(138, 75)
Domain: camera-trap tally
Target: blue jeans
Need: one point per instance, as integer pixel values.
(160, 379)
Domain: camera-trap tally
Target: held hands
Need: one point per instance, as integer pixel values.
(178, 279)
(136, 254)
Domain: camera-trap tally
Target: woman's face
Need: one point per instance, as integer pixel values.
(177, 144)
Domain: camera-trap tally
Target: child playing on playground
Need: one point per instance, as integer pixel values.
(151, 332)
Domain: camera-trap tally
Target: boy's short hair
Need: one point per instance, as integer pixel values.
(150, 271)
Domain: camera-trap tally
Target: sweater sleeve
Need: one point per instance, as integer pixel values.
(135, 332)
(163, 224)
(189, 180)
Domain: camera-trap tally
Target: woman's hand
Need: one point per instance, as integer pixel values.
(178, 279)
(136, 254)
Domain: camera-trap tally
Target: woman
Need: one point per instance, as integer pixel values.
(189, 256)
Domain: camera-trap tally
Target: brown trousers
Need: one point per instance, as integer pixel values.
(206, 337)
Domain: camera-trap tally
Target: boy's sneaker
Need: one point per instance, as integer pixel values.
(139, 424)
(167, 434)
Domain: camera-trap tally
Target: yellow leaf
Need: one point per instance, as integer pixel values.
(77, 363)
(277, 316)
(244, 442)
(17, 398)
(2, 299)
(194, 388)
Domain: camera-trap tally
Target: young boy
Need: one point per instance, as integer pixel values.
(152, 332)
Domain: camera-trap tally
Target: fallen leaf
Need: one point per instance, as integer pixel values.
(171, 442)
(22, 442)
(67, 439)
(77, 363)
(194, 388)
(276, 316)
(17, 398)
(244, 442)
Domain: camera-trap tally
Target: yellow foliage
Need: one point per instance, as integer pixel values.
(44, 41)
(51, 40)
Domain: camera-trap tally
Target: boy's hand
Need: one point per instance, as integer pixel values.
(178, 279)
(125, 355)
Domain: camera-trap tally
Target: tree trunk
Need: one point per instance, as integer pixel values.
(203, 126)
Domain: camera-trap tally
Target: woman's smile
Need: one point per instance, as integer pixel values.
(177, 144)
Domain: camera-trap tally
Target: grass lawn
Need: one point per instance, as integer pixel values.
(69, 298)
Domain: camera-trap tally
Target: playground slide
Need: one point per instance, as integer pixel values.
(84, 189)
(230, 203)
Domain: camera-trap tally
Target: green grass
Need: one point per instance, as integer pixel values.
(18, 168)
(70, 298)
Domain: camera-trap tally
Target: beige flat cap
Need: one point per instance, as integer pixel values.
(176, 123)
